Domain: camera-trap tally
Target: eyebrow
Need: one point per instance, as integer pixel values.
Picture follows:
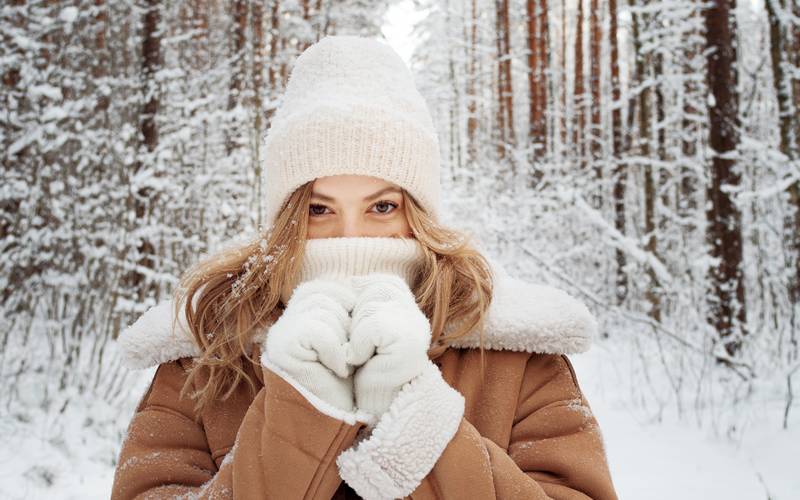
(366, 198)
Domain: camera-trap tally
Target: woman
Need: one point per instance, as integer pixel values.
(360, 348)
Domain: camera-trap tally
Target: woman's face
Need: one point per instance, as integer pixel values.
(356, 205)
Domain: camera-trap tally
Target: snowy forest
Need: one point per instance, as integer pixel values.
(642, 155)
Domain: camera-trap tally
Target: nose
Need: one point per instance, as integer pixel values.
(352, 224)
(352, 227)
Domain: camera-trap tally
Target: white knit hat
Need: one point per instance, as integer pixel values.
(351, 107)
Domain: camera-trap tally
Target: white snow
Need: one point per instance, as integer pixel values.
(68, 14)
(675, 458)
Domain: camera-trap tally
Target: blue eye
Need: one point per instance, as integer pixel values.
(384, 203)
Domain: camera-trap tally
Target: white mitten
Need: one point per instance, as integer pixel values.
(389, 336)
(309, 340)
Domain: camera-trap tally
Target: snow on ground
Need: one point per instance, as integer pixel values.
(49, 454)
(676, 459)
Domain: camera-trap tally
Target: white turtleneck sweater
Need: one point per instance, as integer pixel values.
(341, 257)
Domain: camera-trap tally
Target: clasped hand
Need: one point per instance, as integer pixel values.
(352, 343)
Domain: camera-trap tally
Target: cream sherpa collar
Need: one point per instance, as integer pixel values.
(522, 317)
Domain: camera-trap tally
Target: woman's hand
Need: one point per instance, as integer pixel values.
(389, 336)
(309, 340)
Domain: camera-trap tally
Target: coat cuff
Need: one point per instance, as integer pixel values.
(406, 441)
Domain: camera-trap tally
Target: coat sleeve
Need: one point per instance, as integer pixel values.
(423, 447)
(285, 446)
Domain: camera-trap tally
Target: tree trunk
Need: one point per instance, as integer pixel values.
(795, 58)
(781, 57)
(689, 129)
(257, 24)
(236, 86)
(472, 95)
(143, 199)
(274, 28)
(537, 75)
(620, 173)
(726, 303)
(505, 108)
(563, 122)
(578, 97)
(99, 70)
(595, 135)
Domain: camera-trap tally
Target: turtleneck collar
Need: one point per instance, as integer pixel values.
(341, 257)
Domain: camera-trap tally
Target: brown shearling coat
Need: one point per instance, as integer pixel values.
(525, 432)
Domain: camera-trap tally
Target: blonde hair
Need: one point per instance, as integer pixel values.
(238, 293)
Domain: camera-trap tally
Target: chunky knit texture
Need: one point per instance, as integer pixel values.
(351, 107)
(342, 257)
(388, 340)
(309, 341)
